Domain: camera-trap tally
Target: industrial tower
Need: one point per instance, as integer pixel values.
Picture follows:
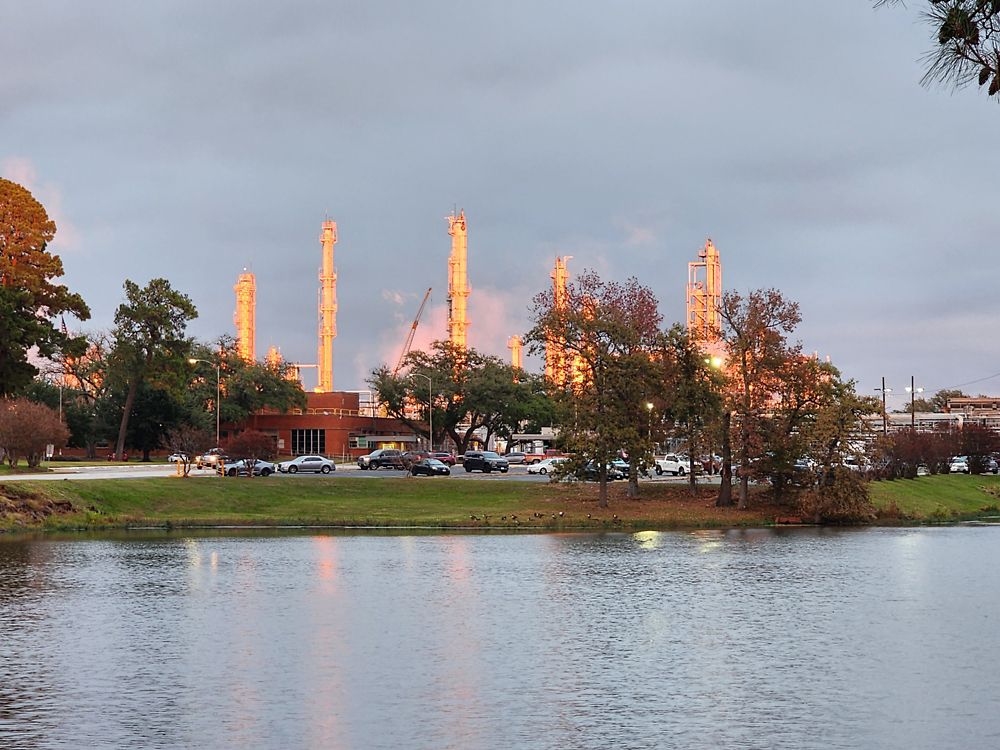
(245, 316)
(458, 281)
(704, 295)
(555, 353)
(515, 344)
(327, 309)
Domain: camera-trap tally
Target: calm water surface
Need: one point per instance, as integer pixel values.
(750, 639)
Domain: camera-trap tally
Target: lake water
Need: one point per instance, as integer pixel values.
(878, 638)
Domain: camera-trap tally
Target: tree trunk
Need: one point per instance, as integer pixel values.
(145, 455)
(744, 465)
(602, 481)
(126, 412)
(725, 499)
(633, 480)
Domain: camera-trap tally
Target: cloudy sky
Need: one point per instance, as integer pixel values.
(189, 140)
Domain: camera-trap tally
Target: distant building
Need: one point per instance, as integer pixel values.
(334, 424)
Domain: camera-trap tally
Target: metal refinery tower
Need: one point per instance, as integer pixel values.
(327, 309)
(245, 316)
(555, 353)
(458, 281)
(704, 295)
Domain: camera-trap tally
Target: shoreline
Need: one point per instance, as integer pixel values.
(400, 504)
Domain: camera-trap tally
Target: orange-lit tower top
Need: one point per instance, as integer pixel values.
(245, 316)
(555, 354)
(458, 281)
(327, 309)
(515, 344)
(704, 295)
(273, 358)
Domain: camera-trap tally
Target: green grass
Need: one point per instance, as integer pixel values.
(939, 497)
(306, 500)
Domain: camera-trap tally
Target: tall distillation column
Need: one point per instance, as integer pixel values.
(245, 316)
(704, 295)
(515, 344)
(327, 309)
(458, 281)
(555, 353)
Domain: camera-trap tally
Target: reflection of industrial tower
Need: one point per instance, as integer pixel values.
(245, 317)
(327, 309)
(704, 295)
(458, 281)
(555, 353)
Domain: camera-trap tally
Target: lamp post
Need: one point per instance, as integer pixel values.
(885, 417)
(913, 391)
(430, 407)
(218, 392)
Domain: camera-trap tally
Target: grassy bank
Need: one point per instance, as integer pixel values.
(943, 497)
(349, 501)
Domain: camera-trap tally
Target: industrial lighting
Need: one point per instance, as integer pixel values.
(218, 392)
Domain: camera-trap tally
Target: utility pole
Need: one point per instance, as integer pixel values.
(913, 391)
(885, 416)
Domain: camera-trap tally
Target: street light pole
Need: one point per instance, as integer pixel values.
(430, 408)
(913, 391)
(218, 393)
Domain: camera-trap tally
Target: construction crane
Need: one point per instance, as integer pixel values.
(411, 334)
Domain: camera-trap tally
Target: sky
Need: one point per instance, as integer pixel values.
(188, 140)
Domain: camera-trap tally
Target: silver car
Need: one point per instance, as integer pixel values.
(315, 464)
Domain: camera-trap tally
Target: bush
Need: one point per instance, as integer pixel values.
(841, 498)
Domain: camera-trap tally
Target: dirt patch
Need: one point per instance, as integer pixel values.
(22, 507)
(663, 507)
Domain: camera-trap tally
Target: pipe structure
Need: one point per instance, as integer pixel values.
(458, 281)
(704, 295)
(245, 317)
(327, 309)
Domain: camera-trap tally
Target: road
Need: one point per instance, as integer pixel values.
(146, 471)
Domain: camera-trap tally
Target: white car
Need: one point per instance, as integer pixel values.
(546, 465)
(316, 464)
(676, 464)
(959, 465)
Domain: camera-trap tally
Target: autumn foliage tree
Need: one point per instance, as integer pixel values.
(251, 446)
(30, 299)
(611, 328)
(27, 429)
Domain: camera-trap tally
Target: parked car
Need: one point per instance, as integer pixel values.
(515, 457)
(242, 468)
(316, 464)
(175, 458)
(590, 473)
(383, 457)
(411, 457)
(485, 461)
(676, 464)
(430, 467)
(959, 465)
(444, 457)
(546, 466)
(211, 458)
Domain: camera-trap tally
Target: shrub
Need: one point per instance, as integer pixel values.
(841, 498)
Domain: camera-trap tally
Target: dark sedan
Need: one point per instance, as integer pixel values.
(430, 467)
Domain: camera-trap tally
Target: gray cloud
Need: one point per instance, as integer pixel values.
(190, 140)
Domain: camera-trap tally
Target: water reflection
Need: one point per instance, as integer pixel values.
(748, 638)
